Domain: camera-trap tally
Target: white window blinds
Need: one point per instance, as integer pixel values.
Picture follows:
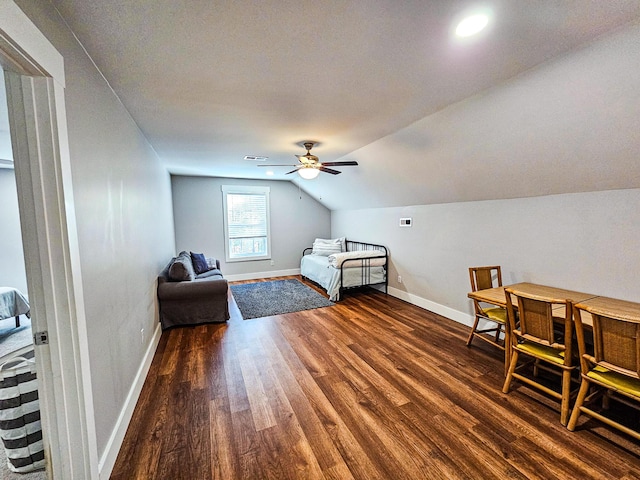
(246, 212)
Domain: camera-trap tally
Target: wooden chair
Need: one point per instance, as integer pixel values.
(613, 369)
(545, 346)
(482, 278)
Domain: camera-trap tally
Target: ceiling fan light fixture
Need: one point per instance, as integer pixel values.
(308, 173)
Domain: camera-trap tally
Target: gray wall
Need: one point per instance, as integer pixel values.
(585, 241)
(124, 219)
(296, 220)
(12, 273)
(571, 125)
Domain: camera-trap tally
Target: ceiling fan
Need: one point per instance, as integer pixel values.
(310, 166)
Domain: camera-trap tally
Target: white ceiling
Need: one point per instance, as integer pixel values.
(210, 82)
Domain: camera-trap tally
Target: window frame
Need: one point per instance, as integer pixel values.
(246, 190)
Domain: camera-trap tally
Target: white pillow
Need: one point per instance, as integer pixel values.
(326, 247)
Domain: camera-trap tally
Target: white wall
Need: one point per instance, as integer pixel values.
(124, 220)
(12, 273)
(296, 220)
(6, 151)
(585, 241)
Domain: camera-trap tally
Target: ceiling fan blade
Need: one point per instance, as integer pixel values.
(340, 164)
(329, 170)
(292, 171)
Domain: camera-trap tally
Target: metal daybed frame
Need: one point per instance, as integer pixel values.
(363, 263)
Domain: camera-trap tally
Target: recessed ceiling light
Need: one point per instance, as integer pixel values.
(269, 172)
(472, 25)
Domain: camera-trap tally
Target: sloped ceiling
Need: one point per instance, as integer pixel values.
(428, 118)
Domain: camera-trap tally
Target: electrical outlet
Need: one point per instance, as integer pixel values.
(272, 263)
(141, 335)
(399, 278)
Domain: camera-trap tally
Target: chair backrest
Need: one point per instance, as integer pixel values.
(535, 314)
(616, 341)
(483, 277)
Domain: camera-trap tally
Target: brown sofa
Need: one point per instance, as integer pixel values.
(189, 298)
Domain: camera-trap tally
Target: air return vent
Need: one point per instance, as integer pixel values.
(255, 158)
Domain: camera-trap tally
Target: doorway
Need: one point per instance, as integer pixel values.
(15, 322)
(35, 82)
(22, 449)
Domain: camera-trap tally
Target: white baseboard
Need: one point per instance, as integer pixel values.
(108, 459)
(257, 275)
(434, 307)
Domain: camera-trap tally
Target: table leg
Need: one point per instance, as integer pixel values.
(17, 321)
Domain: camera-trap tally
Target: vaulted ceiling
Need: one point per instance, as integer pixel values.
(382, 82)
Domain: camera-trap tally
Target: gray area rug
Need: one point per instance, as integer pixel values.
(263, 299)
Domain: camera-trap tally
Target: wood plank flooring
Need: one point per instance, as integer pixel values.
(371, 388)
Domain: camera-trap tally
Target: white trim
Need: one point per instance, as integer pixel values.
(258, 275)
(108, 459)
(246, 190)
(29, 44)
(434, 307)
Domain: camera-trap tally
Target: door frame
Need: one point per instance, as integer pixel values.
(35, 85)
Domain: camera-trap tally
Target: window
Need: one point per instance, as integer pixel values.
(246, 223)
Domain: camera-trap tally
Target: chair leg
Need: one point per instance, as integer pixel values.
(498, 332)
(473, 331)
(17, 321)
(512, 367)
(566, 394)
(507, 350)
(584, 389)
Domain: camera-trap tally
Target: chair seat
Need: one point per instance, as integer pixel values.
(496, 314)
(615, 380)
(541, 351)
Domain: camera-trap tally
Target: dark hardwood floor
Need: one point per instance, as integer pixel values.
(371, 388)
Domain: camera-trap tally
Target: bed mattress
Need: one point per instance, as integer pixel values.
(317, 268)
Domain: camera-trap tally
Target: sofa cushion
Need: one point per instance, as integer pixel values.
(209, 273)
(199, 263)
(182, 269)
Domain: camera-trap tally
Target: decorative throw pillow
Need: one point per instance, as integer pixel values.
(326, 247)
(199, 263)
(182, 268)
(212, 263)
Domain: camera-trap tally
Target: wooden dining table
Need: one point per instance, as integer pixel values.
(497, 296)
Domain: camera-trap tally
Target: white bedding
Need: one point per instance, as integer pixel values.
(377, 258)
(317, 268)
